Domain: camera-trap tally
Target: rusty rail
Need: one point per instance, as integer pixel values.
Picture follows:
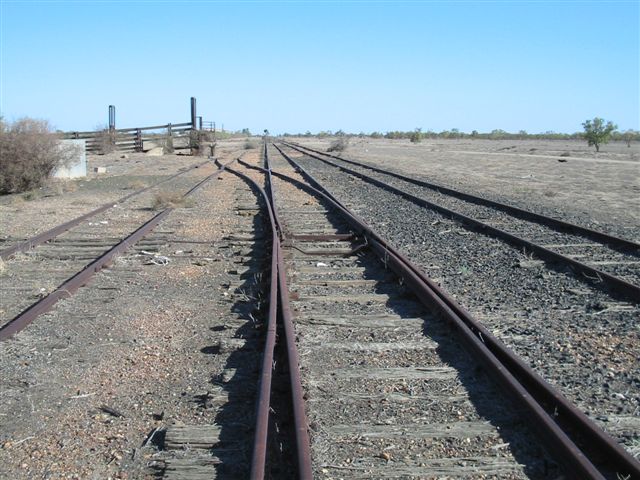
(303, 449)
(60, 229)
(279, 288)
(555, 417)
(618, 286)
(563, 225)
(80, 279)
(260, 443)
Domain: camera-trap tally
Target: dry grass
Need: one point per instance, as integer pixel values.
(164, 200)
(60, 186)
(3, 267)
(249, 145)
(31, 195)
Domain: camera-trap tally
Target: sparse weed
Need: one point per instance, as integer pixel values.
(60, 186)
(168, 145)
(164, 200)
(105, 140)
(32, 195)
(136, 185)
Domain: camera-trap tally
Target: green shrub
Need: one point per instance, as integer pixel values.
(416, 136)
(597, 132)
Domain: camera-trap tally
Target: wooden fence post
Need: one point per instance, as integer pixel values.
(138, 141)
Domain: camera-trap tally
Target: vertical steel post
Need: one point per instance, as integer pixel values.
(200, 123)
(193, 113)
(112, 124)
(112, 117)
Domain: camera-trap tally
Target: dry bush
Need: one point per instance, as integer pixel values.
(164, 200)
(200, 142)
(249, 145)
(104, 140)
(29, 152)
(206, 136)
(339, 145)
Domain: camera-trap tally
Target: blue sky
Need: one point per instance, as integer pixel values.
(296, 66)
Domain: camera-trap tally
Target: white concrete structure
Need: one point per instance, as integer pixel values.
(75, 164)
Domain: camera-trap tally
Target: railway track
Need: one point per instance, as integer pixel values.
(368, 369)
(602, 259)
(21, 245)
(380, 373)
(52, 265)
(368, 351)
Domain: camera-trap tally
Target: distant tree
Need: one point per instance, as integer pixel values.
(245, 131)
(416, 136)
(375, 135)
(474, 134)
(629, 136)
(497, 134)
(307, 133)
(597, 132)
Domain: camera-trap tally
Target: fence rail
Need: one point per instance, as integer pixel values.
(133, 140)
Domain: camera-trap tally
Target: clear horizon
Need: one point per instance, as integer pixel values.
(298, 66)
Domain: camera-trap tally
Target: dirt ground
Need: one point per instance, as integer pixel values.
(555, 177)
(81, 396)
(85, 387)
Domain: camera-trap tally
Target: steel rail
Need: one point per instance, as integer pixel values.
(594, 276)
(542, 400)
(81, 278)
(612, 240)
(260, 442)
(303, 448)
(302, 445)
(60, 229)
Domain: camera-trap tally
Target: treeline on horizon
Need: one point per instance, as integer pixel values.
(418, 134)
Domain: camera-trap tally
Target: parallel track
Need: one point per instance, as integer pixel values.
(599, 258)
(582, 448)
(382, 366)
(32, 242)
(62, 261)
